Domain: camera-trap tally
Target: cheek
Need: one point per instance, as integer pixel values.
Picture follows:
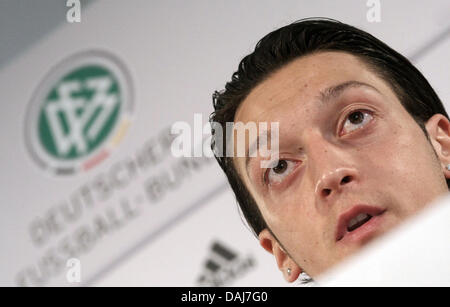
(415, 160)
(302, 229)
(293, 220)
(405, 165)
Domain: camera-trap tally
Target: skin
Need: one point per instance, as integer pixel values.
(386, 159)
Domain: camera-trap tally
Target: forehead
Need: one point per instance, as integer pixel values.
(300, 82)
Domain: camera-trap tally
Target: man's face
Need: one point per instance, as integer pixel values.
(352, 162)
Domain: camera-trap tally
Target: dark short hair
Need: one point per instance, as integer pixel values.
(304, 37)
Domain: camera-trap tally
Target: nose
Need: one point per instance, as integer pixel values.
(334, 181)
(332, 168)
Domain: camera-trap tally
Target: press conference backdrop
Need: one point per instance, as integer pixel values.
(101, 185)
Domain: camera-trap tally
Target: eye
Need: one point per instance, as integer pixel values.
(277, 174)
(356, 120)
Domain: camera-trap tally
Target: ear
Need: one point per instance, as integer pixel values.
(284, 261)
(438, 128)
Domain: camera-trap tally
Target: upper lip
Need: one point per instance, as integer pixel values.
(346, 217)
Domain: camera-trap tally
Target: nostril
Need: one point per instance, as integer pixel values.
(346, 179)
(326, 192)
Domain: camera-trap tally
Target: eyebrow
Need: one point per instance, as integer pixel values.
(335, 91)
(326, 95)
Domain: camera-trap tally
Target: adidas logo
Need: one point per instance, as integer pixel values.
(223, 266)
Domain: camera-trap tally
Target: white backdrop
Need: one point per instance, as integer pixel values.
(175, 53)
